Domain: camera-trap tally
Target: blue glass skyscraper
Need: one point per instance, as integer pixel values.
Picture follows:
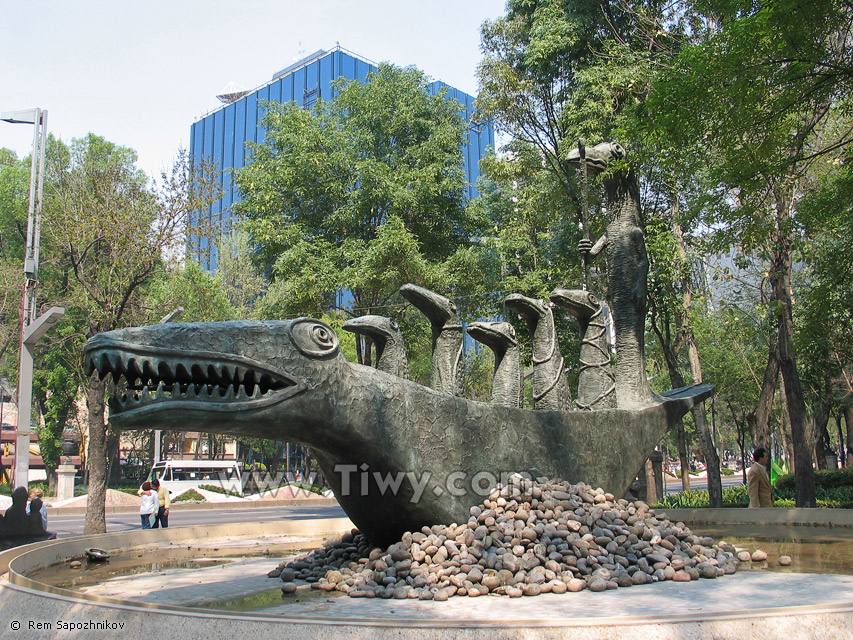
(221, 135)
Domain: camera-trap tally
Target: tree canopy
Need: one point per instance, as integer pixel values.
(362, 193)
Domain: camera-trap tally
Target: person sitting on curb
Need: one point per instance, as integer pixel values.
(38, 494)
(758, 480)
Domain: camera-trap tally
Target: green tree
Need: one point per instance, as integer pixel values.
(762, 88)
(114, 229)
(333, 193)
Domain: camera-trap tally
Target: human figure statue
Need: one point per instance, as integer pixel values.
(35, 523)
(38, 493)
(627, 270)
(16, 515)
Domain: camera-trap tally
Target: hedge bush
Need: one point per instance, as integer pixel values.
(824, 479)
(217, 489)
(190, 495)
(828, 497)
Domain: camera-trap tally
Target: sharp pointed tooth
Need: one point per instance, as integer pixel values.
(161, 389)
(241, 393)
(257, 393)
(148, 370)
(182, 374)
(176, 391)
(229, 393)
(240, 374)
(164, 370)
(104, 366)
(116, 376)
(198, 373)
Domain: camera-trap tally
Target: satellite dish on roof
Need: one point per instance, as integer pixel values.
(232, 92)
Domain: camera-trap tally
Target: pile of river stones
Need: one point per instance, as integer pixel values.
(528, 537)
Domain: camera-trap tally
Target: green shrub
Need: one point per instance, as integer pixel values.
(191, 495)
(825, 478)
(313, 488)
(217, 489)
(727, 472)
(840, 497)
(732, 497)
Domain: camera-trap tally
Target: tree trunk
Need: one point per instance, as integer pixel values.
(712, 457)
(682, 455)
(848, 424)
(781, 283)
(97, 458)
(113, 459)
(651, 484)
(784, 436)
(820, 418)
(842, 457)
(759, 419)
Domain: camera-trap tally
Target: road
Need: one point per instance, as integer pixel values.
(673, 485)
(72, 525)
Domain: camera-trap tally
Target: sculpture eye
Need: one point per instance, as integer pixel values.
(313, 338)
(618, 150)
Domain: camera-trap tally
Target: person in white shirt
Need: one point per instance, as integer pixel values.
(149, 504)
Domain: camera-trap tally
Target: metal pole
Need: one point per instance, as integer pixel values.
(30, 334)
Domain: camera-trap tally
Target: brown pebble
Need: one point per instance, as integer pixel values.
(759, 555)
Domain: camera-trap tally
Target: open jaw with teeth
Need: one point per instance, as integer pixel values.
(182, 378)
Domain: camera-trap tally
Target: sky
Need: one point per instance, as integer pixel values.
(140, 73)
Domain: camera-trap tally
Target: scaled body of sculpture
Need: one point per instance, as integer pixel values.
(398, 455)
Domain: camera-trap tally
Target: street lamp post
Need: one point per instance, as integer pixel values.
(32, 328)
(32, 333)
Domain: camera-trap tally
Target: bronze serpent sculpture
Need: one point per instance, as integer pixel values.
(397, 454)
(387, 339)
(507, 383)
(596, 385)
(550, 389)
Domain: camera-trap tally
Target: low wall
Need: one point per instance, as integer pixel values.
(766, 516)
(669, 613)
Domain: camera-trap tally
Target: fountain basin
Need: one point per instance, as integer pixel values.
(753, 604)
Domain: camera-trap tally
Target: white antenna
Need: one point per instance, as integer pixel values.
(300, 52)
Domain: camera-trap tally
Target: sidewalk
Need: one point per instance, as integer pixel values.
(77, 505)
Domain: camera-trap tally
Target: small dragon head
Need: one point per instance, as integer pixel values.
(597, 157)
